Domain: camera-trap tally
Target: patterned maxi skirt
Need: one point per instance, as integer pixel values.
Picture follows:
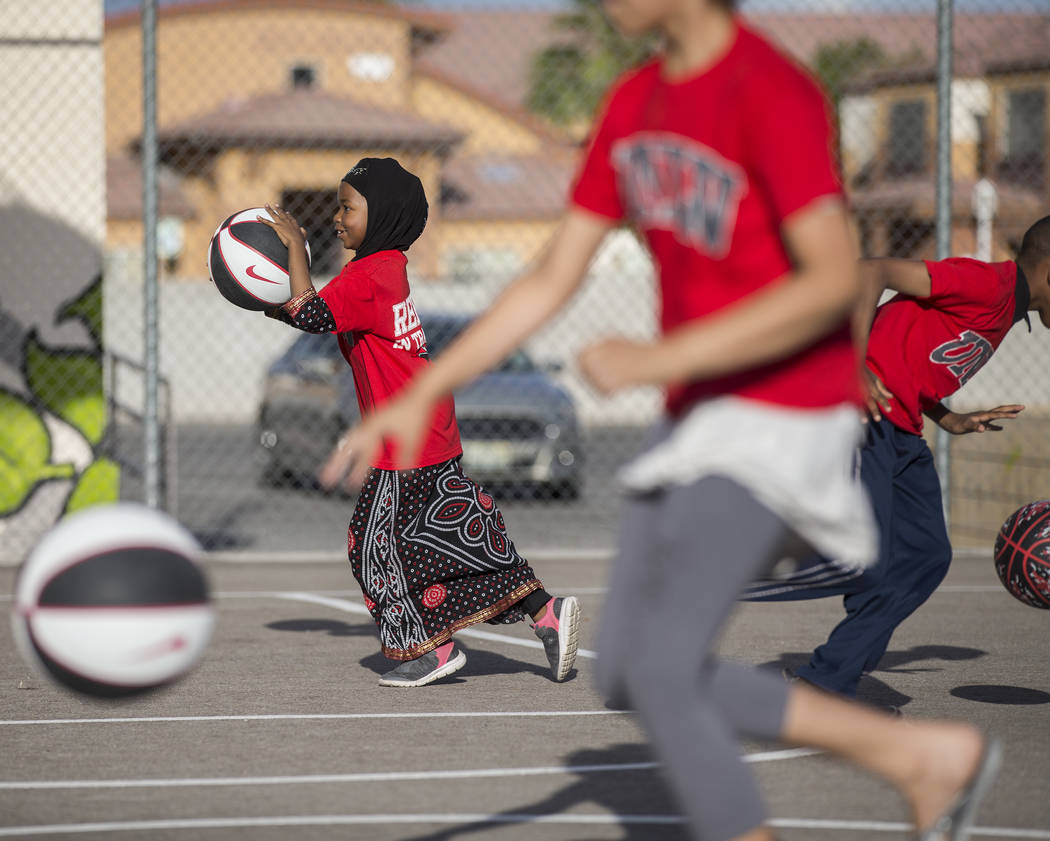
(429, 548)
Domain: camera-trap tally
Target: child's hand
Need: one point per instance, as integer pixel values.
(336, 466)
(960, 424)
(612, 364)
(285, 226)
(876, 396)
(402, 422)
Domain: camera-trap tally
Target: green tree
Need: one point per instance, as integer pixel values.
(837, 64)
(568, 78)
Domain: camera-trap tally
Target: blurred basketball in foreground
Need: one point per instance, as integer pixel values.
(1022, 554)
(248, 263)
(112, 601)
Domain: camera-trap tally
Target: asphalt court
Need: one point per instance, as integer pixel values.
(283, 733)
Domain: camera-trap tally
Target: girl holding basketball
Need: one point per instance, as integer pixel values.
(718, 152)
(427, 545)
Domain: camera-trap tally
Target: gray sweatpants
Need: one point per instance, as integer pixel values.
(685, 554)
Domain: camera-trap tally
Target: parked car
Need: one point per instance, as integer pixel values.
(518, 426)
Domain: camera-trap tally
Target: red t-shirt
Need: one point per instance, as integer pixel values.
(924, 349)
(382, 339)
(708, 169)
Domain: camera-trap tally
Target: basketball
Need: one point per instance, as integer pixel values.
(1022, 554)
(248, 263)
(112, 601)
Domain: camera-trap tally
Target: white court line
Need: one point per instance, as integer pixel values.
(266, 594)
(572, 591)
(887, 826)
(312, 717)
(539, 555)
(353, 607)
(466, 819)
(369, 777)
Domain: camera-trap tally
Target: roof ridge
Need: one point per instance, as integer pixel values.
(432, 20)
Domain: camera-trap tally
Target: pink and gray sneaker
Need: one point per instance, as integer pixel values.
(442, 661)
(559, 630)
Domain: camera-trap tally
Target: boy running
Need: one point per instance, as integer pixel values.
(945, 322)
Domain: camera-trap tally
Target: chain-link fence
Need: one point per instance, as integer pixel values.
(273, 101)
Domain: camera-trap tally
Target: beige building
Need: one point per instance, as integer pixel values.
(1000, 141)
(273, 100)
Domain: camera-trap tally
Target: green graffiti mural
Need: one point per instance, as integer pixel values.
(25, 453)
(66, 383)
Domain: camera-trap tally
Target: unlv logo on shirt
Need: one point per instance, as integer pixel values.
(409, 335)
(675, 184)
(964, 356)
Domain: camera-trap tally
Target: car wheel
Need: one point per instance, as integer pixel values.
(567, 489)
(275, 476)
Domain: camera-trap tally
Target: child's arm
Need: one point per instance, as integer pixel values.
(770, 324)
(521, 308)
(909, 277)
(981, 421)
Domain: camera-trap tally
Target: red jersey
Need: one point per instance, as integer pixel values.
(382, 339)
(708, 168)
(924, 349)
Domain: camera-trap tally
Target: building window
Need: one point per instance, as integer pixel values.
(303, 76)
(370, 67)
(907, 141)
(1024, 158)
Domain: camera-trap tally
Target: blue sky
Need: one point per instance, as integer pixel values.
(814, 6)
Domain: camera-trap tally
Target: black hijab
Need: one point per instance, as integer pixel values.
(397, 205)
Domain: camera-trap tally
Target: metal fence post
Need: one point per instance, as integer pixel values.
(944, 206)
(151, 455)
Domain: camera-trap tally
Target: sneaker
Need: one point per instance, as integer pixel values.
(442, 661)
(558, 630)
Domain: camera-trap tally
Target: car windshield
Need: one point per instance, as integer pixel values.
(440, 330)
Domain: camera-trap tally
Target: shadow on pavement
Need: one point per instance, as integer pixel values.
(997, 694)
(871, 689)
(331, 627)
(895, 661)
(479, 663)
(626, 793)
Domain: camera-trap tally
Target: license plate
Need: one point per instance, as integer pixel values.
(487, 455)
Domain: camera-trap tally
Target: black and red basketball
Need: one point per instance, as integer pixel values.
(113, 601)
(248, 262)
(1022, 554)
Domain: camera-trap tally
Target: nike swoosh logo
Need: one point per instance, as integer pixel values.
(250, 271)
(161, 648)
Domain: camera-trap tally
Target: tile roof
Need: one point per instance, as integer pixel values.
(491, 50)
(982, 43)
(417, 17)
(124, 190)
(304, 118)
(978, 38)
(918, 196)
(506, 186)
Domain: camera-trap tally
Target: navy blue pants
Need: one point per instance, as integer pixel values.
(897, 469)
